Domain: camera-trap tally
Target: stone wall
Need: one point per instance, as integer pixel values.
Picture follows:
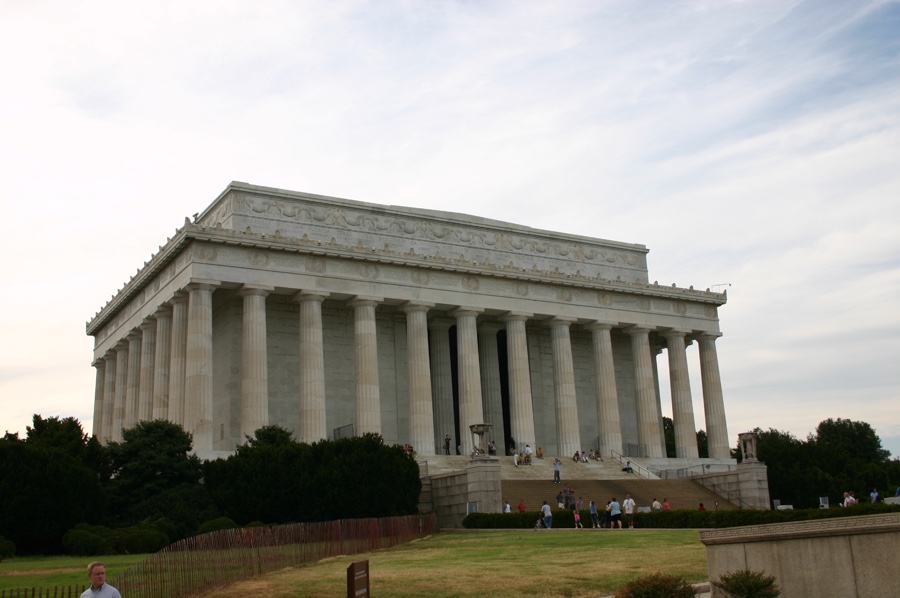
(846, 557)
(452, 492)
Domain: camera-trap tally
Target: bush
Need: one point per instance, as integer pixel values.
(138, 539)
(748, 584)
(7, 548)
(85, 542)
(657, 585)
(215, 525)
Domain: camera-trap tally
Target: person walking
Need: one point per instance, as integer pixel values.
(629, 506)
(615, 513)
(547, 515)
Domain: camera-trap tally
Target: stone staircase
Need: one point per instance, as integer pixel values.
(597, 480)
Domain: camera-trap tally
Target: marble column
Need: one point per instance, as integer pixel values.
(198, 371)
(521, 408)
(648, 416)
(568, 434)
(121, 390)
(177, 357)
(713, 401)
(368, 393)
(655, 352)
(254, 362)
(441, 382)
(421, 415)
(162, 360)
(148, 361)
(609, 421)
(132, 395)
(492, 396)
(682, 403)
(109, 396)
(99, 382)
(471, 409)
(312, 368)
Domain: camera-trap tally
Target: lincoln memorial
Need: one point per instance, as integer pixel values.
(332, 317)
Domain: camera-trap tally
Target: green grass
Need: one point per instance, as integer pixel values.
(53, 571)
(498, 564)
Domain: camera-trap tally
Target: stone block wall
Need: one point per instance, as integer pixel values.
(846, 557)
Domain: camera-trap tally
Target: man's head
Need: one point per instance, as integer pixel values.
(97, 574)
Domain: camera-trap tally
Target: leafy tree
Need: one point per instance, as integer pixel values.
(67, 436)
(669, 433)
(156, 477)
(290, 481)
(702, 444)
(44, 493)
(271, 435)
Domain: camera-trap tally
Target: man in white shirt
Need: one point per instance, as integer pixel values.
(628, 506)
(99, 588)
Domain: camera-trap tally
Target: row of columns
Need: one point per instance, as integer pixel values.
(163, 370)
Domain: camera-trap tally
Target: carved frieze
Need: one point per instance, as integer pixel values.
(435, 236)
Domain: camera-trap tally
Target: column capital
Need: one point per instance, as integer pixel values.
(673, 332)
(148, 324)
(202, 284)
(707, 336)
(100, 362)
(255, 289)
(319, 296)
(365, 301)
(439, 323)
(566, 321)
(464, 310)
(180, 296)
(163, 311)
(601, 325)
(414, 306)
(122, 344)
(635, 329)
(110, 355)
(516, 316)
(134, 335)
(489, 327)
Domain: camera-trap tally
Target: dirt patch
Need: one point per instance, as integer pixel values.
(39, 572)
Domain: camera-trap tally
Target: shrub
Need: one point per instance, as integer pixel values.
(215, 525)
(7, 548)
(84, 542)
(748, 584)
(138, 539)
(657, 585)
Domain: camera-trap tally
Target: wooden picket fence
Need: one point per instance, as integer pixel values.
(194, 565)
(55, 592)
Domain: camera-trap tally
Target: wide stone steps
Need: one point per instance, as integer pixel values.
(682, 494)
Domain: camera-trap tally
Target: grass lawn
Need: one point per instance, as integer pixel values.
(53, 571)
(497, 564)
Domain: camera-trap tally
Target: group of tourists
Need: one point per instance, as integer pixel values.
(615, 514)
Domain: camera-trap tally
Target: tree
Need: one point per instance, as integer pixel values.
(156, 477)
(290, 481)
(67, 435)
(44, 493)
(669, 433)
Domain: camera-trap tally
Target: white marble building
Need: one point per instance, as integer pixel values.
(319, 314)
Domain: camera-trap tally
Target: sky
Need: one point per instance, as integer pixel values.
(752, 145)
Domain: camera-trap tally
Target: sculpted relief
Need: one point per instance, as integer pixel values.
(284, 216)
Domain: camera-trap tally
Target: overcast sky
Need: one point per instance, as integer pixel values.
(754, 144)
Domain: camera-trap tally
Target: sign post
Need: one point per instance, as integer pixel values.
(358, 580)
